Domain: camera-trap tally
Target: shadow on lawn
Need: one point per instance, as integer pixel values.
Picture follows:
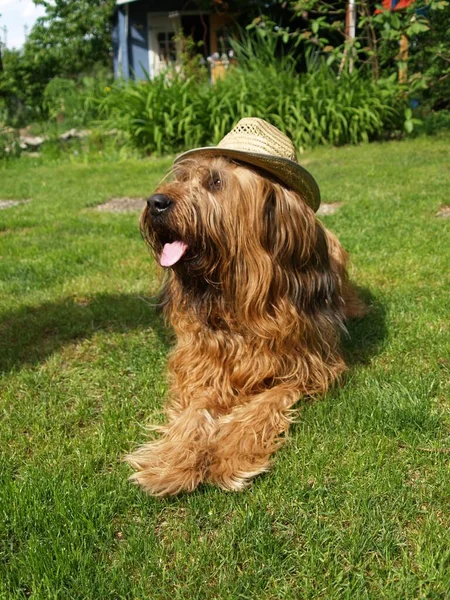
(31, 334)
(366, 336)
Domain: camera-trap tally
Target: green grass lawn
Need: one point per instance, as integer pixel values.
(357, 504)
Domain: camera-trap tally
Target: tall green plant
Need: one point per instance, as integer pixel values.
(160, 115)
(172, 112)
(71, 101)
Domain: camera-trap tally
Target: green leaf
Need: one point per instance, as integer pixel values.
(416, 28)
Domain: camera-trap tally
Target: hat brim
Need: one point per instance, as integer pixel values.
(290, 173)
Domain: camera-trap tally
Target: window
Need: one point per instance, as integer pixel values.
(166, 46)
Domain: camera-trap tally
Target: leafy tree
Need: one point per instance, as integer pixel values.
(72, 36)
(318, 27)
(16, 87)
(423, 31)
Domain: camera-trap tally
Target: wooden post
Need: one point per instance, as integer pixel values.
(403, 56)
(217, 71)
(350, 32)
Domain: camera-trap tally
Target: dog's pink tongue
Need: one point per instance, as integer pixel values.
(172, 253)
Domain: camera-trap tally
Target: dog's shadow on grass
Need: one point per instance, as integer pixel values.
(367, 335)
(31, 334)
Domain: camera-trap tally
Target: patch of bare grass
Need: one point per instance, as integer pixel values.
(122, 205)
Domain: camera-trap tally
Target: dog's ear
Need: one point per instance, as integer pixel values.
(321, 284)
(289, 227)
(297, 243)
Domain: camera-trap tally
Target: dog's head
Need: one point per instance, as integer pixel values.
(235, 229)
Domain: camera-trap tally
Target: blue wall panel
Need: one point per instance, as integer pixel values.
(131, 47)
(138, 39)
(115, 43)
(123, 67)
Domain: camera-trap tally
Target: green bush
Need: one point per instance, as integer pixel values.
(70, 101)
(434, 122)
(61, 98)
(9, 145)
(312, 108)
(156, 116)
(172, 112)
(304, 25)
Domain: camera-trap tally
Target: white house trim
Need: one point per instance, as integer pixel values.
(158, 22)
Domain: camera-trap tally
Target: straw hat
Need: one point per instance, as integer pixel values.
(258, 143)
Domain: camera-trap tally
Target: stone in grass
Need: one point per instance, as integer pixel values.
(444, 211)
(328, 208)
(10, 203)
(123, 205)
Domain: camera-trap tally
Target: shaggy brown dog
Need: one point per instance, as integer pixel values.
(257, 295)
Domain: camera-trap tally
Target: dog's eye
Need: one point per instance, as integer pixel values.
(215, 182)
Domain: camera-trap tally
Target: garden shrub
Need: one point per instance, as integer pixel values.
(172, 112)
(70, 101)
(9, 144)
(61, 98)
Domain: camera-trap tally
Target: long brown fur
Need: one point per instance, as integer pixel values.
(258, 304)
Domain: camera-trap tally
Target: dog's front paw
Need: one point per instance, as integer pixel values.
(166, 467)
(234, 473)
(237, 455)
(179, 460)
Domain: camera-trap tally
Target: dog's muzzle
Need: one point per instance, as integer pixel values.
(173, 248)
(158, 203)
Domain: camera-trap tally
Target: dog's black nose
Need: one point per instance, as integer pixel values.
(158, 203)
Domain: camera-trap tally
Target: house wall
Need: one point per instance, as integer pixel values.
(138, 39)
(120, 44)
(130, 34)
(130, 48)
(115, 42)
